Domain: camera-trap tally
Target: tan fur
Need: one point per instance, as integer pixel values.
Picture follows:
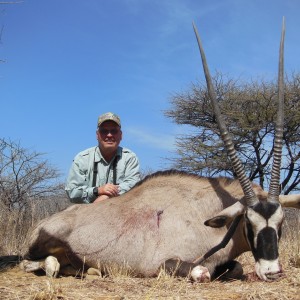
(159, 219)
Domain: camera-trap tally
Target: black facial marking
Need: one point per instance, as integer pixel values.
(267, 244)
(250, 235)
(279, 232)
(265, 209)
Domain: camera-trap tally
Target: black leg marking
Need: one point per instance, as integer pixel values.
(177, 267)
(231, 270)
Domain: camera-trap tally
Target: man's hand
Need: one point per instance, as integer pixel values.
(109, 189)
(106, 191)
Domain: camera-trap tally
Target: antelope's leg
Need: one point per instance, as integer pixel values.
(50, 265)
(181, 268)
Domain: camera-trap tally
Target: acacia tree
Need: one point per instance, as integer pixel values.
(25, 176)
(249, 109)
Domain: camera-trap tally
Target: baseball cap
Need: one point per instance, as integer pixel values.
(109, 116)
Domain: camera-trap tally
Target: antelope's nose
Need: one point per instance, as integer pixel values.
(275, 275)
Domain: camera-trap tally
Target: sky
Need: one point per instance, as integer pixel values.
(65, 62)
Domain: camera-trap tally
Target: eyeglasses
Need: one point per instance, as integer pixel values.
(105, 131)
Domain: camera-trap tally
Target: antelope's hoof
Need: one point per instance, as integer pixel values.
(200, 274)
(93, 271)
(30, 266)
(51, 266)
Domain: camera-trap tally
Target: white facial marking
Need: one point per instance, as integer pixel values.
(258, 222)
(266, 267)
(276, 218)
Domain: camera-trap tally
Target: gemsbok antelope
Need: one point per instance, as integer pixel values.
(194, 226)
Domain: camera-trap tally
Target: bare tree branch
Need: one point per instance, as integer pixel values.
(25, 175)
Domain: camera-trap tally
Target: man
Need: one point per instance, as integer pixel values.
(105, 171)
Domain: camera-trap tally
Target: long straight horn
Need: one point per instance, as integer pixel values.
(250, 196)
(275, 175)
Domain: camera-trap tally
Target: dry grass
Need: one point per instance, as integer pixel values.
(15, 284)
(15, 225)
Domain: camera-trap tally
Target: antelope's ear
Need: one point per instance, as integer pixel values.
(226, 216)
(217, 222)
(290, 200)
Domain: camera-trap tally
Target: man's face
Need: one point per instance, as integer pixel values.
(109, 136)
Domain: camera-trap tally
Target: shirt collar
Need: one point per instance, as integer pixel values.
(99, 157)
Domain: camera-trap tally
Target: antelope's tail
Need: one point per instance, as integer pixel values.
(9, 261)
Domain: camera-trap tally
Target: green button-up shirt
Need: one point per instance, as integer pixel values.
(79, 186)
